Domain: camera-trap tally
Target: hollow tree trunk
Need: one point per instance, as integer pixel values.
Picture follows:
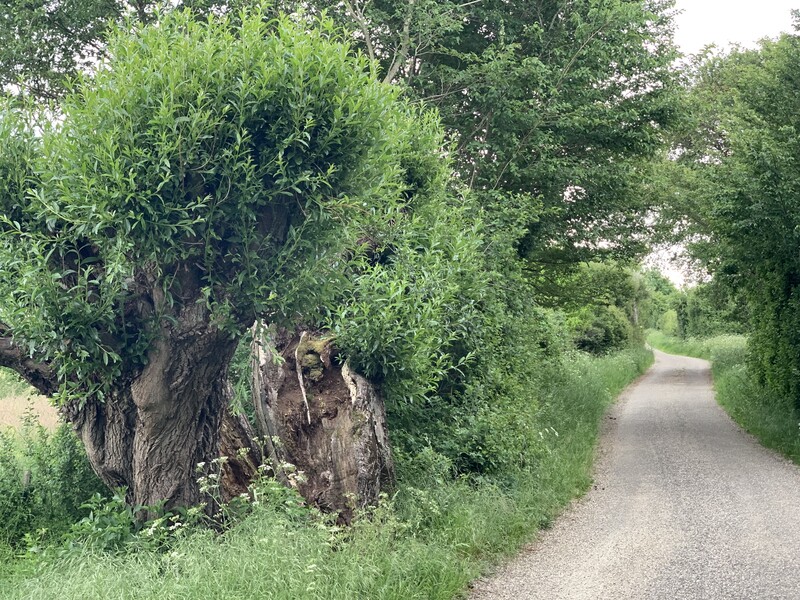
(326, 420)
(153, 430)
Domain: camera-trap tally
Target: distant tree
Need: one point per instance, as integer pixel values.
(745, 177)
(603, 304)
(555, 107)
(711, 308)
(660, 296)
(42, 44)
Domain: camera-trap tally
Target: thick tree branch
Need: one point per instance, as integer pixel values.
(38, 374)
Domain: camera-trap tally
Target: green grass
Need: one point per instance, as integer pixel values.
(771, 418)
(426, 543)
(717, 348)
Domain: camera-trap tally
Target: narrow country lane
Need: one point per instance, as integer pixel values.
(685, 506)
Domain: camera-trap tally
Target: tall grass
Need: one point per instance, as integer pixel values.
(45, 477)
(717, 348)
(759, 410)
(427, 542)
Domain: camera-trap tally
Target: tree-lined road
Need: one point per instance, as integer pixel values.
(685, 506)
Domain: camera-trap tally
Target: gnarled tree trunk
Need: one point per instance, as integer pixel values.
(157, 424)
(323, 418)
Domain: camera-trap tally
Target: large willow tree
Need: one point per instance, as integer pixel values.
(210, 173)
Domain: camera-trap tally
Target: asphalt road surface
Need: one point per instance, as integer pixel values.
(685, 506)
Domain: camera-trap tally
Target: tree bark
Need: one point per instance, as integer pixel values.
(242, 455)
(180, 397)
(323, 418)
(157, 424)
(151, 434)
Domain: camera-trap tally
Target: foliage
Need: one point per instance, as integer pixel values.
(604, 304)
(45, 44)
(221, 163)
(448, 327)
(555, 107)
(39, 55)
(668, 323)
(745, 175)
(600, 329)
(241, 379)
(553, 104)
(416, 293)
(429, 541)
(251, 166)
(44, 481)
(221, 152)
(710, 309)
(660, 296)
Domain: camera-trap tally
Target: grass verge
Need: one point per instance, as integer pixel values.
(427, 542)
(771, 418)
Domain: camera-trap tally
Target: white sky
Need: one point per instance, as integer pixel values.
(724, 21)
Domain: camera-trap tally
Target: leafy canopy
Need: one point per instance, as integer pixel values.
(555, 106)
(743, 181)
(223, 164)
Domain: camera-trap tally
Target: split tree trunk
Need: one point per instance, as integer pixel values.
(157, 424)
(323, 418)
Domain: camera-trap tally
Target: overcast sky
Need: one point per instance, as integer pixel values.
(723, 21)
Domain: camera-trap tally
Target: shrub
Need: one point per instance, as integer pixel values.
(44, 480)
(600, 329)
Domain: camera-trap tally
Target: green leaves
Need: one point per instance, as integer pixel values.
(746, 176)
(229, 163)
(403, 317)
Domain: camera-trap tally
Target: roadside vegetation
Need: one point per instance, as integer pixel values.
(251, 180)
(769, 416)
(227, 223)
(732, 183)
(712, 321)
(428, 539)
